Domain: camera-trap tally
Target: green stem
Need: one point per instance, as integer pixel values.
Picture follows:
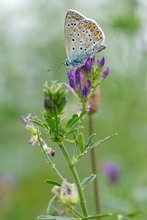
(75, 212)
(56, 120)
(83, 106)
(49, 160)
(76, 178)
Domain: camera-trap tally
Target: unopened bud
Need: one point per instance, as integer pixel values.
(55, 99)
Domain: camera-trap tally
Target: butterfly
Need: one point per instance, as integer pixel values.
(83, 38)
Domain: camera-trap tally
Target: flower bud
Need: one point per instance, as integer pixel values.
(88, 65)
(101, 62)
(71, 78)
(105, 72)
(85, 89)
(55, 99)
(78, 78)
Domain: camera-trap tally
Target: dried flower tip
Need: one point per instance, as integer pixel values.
(94, 101)
(49, 151)
(27, 124)
(33, 140)
(68, 193)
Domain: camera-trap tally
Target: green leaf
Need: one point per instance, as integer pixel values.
(49, 217)
(74, 119)
(97, 216)
(87, 180)
(71, 131)
(100, 141)
(51, 122)
(90, 141)
(40, 123)
(134, 214)
(52, 182)
(81, 142)
(53, 208)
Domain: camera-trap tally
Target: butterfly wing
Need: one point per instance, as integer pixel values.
(72, 19)
(83, 38)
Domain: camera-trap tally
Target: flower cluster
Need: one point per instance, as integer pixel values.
(35, 136)
(67, 193)
(55, 99)
(84, 80)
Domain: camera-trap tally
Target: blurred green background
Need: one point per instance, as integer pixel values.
(32, 41)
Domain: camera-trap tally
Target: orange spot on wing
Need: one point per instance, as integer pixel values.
(89, 25)
(92, 28)
(99, 40)
(95, 33)
(80, 26)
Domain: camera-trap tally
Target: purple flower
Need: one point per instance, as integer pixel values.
(71, 78)
(111, 171)
(78, 78)
(85, 89)
(70, 89)
(105, 72)
(101, 62)
(88, 65)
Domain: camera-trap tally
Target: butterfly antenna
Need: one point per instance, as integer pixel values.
(56, 67)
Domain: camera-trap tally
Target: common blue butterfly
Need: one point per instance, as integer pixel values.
(83, 38)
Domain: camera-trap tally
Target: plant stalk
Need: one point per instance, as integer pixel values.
(76, 178)
(94, 168)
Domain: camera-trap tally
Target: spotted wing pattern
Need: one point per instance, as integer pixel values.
(83, 38)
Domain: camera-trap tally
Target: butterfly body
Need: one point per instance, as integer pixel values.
(83, 38)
